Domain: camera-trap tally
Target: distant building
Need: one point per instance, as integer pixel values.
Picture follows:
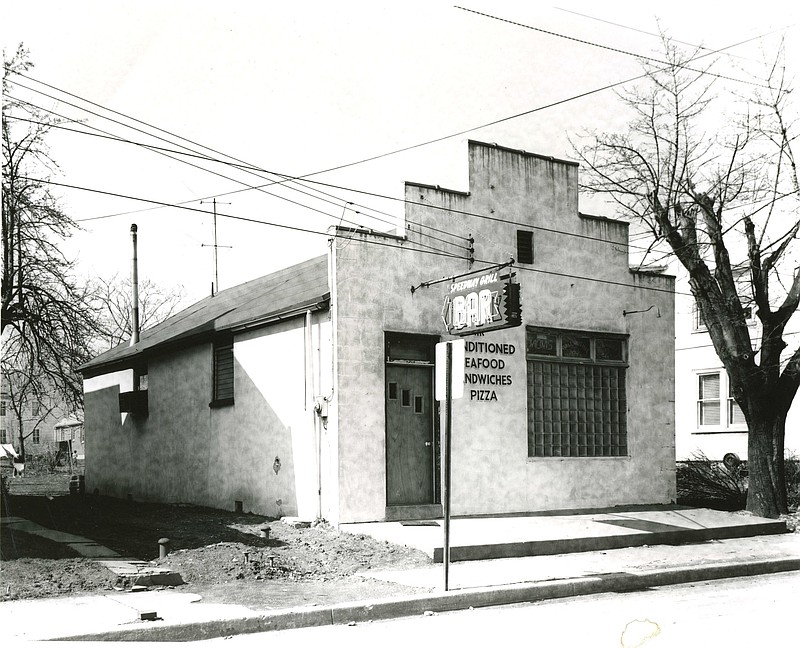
(311, 391)
(40, 419)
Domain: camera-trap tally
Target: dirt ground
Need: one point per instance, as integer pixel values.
(220, 555)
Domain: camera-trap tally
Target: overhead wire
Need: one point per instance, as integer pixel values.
(107, 135)
(306, 180)
(297, 179)
(239, 164)
(416, 145)
(406, 248)
(521, 114)
(221, 214)
(617, 50)
(161, 150)
(374, 157)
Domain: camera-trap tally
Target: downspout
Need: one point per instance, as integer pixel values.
(134, 290)
(311, 406)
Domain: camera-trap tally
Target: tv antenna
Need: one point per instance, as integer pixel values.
(215, 287)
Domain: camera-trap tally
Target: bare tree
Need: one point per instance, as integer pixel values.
(718, 190)
(46, 321)
(112, 300)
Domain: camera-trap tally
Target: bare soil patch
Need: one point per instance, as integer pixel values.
(220, 554)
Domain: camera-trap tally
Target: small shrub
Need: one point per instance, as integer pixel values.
(702, 481)
(792, 472)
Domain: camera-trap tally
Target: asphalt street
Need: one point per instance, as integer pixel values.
(758, 610)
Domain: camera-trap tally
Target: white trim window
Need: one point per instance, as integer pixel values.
(717, 410)
(698, 326)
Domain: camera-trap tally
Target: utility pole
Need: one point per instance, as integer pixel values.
(215, 246)
(134, 287)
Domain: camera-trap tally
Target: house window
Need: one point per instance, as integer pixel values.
(223, 372)
(577, 403)
(35, 408)
(717, 410)
(140, 379)
(3, 438)
(2, 408)
(524, 246)
(697, 319)
(36, 436)
(698, 326)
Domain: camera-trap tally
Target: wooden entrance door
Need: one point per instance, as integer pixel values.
(409, 435)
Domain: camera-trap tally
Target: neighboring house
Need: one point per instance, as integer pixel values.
(70, 436)
(310, 392)
(39, 420)
(708, 422)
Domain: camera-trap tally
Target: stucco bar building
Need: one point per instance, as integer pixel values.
(310, 392)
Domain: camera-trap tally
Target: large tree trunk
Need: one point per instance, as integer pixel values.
(766, 494)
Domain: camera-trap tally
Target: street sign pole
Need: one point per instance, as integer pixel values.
(449, 386)
(447, 455)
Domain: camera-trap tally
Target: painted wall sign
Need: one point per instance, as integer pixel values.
(480, 304)
(483, 372)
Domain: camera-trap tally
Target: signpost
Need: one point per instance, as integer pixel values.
(449, 385)
(475, 304)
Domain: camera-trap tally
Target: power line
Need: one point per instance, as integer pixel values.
(162, 151)
(606, 47)
(640, 31)
(241, 166)
(226, 177)
(366, 240)
(385, 154)
(245, 219)
(522, 114)
(306, 180)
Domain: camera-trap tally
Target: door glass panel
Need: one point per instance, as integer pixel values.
(418, 404)
(405, 399)
(392, 391)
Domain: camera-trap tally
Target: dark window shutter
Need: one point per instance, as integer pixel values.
(524, 246)
(223, 370)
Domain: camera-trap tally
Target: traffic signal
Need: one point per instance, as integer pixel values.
(512, 308)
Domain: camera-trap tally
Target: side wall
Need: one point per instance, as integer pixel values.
(261, 451)
(579, 281)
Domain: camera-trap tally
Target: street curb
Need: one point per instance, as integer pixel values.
(382, 609)
(606, 543)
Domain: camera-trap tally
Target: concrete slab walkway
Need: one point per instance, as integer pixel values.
(132, 570)
(488, 537)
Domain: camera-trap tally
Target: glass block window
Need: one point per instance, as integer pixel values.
(577, 403)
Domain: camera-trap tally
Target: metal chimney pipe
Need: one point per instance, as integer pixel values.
(134, 290)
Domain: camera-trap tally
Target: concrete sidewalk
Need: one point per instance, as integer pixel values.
(560, 532)
(183, 616)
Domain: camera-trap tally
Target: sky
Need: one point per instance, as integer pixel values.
(299, 88)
